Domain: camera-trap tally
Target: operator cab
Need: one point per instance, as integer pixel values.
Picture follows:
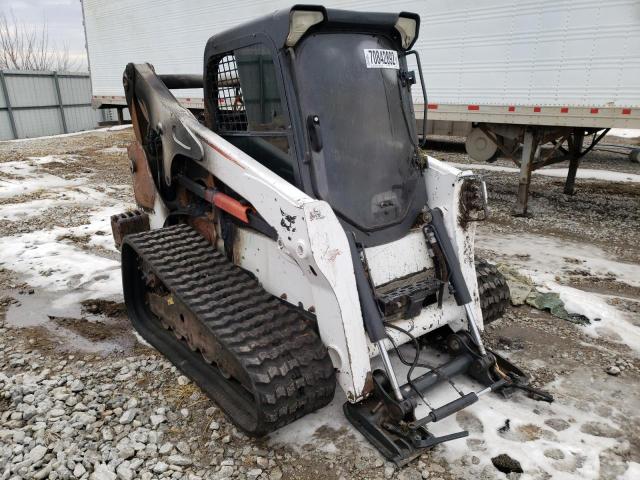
(322, 98)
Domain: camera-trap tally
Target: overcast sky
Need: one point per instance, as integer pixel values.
(64, 20)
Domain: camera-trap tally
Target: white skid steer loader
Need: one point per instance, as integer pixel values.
(295, 230)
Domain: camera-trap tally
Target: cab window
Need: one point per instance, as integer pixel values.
(249, 111)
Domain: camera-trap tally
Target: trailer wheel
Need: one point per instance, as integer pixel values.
(493, 289)
(480, 147)
(634, 155)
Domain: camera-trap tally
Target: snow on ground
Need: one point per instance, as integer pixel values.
(529, 436)
(625, 133)
(605, 319)
(544, 258)
(49, 263)
(53, 197)
(114, 150)
(48, 258)
(531, 439)
(69, 272)
(114, 128)
(633, 472)
(25, 177)
(583, 173)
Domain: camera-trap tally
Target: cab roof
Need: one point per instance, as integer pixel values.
(276, 27)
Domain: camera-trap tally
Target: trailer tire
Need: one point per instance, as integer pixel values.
(493, 290)
(480, 147)
(634, 155)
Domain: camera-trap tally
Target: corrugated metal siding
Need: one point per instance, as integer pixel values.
(38, 123)
(3, 104)
(27, 91)
(36, 107)
(5, 126)
(74, 90)
(79, 117)
(532, 52)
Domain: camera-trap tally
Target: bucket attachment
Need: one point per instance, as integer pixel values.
(387, 417)
(385, 422)
(391, 425)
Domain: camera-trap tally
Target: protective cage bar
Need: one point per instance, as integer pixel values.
(231, 115)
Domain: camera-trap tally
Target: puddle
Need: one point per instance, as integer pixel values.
(74, 328)
(34, 310)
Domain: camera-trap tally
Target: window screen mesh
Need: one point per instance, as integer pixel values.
(231, 115)
(249, 111)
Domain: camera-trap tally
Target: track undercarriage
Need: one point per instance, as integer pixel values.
(258, 358)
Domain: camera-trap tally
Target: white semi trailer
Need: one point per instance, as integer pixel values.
(511, 76)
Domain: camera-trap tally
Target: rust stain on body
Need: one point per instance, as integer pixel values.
(144, 189)
(316, 214)
(221, 152)
(333, 254)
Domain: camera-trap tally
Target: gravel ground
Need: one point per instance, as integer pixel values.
(82, 397)
(606, 214)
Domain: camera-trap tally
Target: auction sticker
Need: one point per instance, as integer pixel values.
(378, 58)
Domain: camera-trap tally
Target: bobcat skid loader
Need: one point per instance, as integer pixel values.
(295, 231)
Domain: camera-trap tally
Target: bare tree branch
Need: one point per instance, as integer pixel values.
(23, 47)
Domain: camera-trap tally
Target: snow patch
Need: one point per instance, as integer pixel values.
(632, 473)
(526, 441)
(44, 181)
(606, 320)
(543, 258)
(114, 149)
(115, 128)
(54, 198)
(72, 134)
(324, 429)
(50, 259)
(583, 173)
(47, 263)
(624, 133)
(31, 178)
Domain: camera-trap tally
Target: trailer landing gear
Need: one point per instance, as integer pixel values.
(567, 144)
(533, 157)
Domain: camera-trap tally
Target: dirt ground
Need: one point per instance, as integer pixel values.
(116, 409)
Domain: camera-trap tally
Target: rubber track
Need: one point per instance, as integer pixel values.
(493, 289)
(289, 367)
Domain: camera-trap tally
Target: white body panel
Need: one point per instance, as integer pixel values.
(398, 259)
(261, 256)
(310, 266)
(549, 62)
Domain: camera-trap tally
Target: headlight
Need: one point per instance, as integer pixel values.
(407, 28)
(299, 22)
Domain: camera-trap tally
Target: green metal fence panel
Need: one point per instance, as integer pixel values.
(35, 104)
